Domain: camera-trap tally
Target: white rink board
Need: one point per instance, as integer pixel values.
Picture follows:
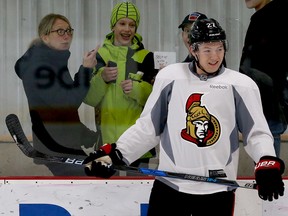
(110, 197)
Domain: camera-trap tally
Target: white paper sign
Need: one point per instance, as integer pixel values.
(162, 59)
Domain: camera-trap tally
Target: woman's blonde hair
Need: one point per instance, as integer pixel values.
(46, 23)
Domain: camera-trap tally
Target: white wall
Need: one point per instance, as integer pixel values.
(97, 197)
(90, 19)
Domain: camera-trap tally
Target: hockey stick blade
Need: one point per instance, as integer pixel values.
(16, 131)
(25, 146)
(46, 138)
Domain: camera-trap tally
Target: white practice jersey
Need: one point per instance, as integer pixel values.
(197, 120)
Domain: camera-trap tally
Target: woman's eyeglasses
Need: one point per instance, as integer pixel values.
(61, 32)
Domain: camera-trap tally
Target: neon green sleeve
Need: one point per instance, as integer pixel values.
(97, 89)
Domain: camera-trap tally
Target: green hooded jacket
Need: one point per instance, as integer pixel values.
(119, 111)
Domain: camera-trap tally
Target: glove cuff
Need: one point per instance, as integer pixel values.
(114, 153)
(107, 148)
(270, 162)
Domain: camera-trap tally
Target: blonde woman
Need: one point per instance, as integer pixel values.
(53, 95)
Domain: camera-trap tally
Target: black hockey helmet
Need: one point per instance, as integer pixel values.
(207, 30)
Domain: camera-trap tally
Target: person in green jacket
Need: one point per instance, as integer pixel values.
(123, 77)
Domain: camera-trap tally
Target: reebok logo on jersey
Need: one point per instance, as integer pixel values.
(218, 86)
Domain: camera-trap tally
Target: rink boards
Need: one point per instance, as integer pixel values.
(121, 196)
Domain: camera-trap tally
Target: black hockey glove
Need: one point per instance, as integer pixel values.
(268, 174)
(100, 163)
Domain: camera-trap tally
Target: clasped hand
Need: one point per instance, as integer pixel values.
(100, 163)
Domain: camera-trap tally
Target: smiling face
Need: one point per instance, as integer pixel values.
(210, 56)
(56, 41)
(124, 31)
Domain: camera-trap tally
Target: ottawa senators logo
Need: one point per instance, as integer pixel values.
(202, 128)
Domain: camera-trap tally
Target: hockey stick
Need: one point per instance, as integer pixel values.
(22, 142)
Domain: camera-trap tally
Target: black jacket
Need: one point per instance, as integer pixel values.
(264, 59)
(54, 98)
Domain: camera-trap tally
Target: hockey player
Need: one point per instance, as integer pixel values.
(196, 111)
